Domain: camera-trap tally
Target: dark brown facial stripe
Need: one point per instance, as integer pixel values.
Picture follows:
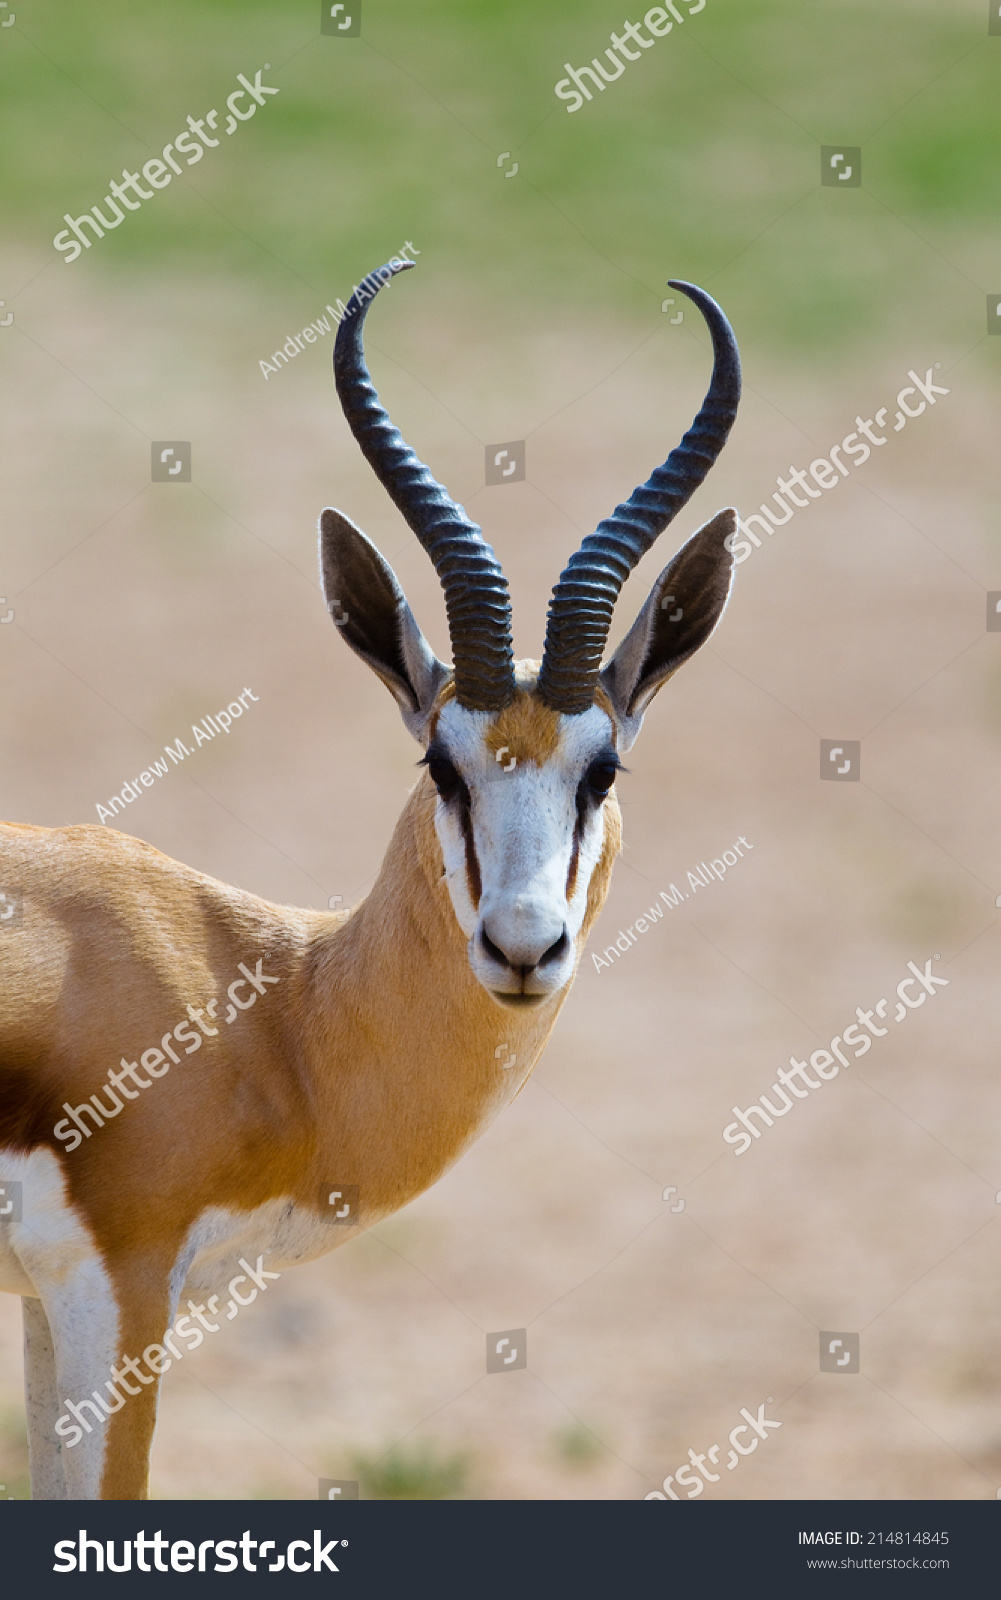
(473, 878)
(574, 859)
(578, 833)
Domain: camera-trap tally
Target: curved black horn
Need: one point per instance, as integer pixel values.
(476, 591)
(580, 612)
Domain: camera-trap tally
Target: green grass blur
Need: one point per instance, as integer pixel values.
(702, 160)
(420, 1472)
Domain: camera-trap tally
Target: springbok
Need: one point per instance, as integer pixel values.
(360, 1053)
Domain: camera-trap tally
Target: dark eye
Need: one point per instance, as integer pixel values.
(601, 776)
(444, 776)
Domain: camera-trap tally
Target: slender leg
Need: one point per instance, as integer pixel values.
(145, 1313)
(83, 1317)
(41, 1398)
(104, 1427)
(94, 1429)
(93, 1338)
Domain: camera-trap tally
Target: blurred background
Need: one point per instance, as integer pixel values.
(539, 312)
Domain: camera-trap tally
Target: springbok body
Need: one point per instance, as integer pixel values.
(189, 1074)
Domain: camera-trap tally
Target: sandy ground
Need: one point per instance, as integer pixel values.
(872, 1207)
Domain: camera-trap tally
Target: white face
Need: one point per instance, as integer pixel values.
(527, 839)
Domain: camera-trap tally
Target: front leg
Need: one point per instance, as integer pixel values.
(90, 1416)
(112, 1461)
(99, 1408)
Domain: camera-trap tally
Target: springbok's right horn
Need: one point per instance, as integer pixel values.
(476, 591)
(580, 612)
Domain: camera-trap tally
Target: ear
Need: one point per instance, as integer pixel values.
(681, 612)
(370, 611)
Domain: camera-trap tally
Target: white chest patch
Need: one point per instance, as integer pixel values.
(222, 1242)
(45, 1244)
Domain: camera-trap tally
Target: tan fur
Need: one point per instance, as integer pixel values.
(372, 1061)
(526, 729)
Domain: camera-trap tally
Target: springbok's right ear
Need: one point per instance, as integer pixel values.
(671, 626)
(370, 611)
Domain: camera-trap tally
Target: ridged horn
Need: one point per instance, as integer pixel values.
(476, 593)
(580, 612)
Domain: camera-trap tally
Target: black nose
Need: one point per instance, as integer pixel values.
(554, 953)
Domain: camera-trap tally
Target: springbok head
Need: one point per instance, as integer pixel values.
(524, 757)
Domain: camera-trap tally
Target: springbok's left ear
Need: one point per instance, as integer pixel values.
(683, 608)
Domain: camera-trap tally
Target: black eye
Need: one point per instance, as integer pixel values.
(601, 776)
(444, 776)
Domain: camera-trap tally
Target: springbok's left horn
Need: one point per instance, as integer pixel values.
(580, 612)
(476, 592)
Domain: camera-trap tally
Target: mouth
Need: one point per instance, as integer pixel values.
(519, 1002)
